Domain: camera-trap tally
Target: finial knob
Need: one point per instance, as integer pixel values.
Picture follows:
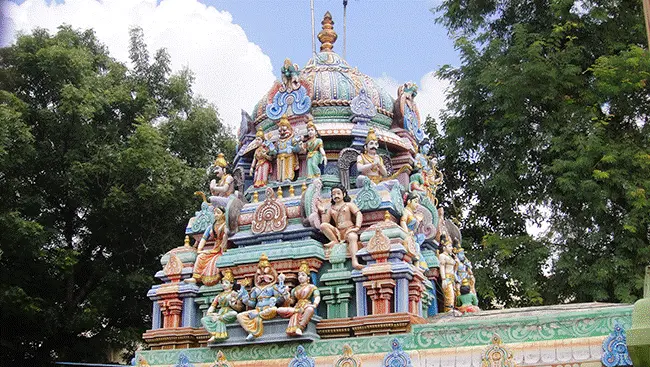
(327, 36)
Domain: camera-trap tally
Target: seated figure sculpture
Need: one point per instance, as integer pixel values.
(306, 297)
(410, 221)
(205, 269)
(221, 190)
(223, 310)
(369, 163)
(467, 301)
(342, 211)
(263, 298)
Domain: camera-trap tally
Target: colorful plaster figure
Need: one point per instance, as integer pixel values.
(261, 165)
(467, 301)
(222, 189)
(315, 151)
(410, 221)
(223, 310)
(447, 264)
(347, 222)
(262, 298)
(464, 269)
(287, 147)
(369, 163)
(205, 266)
(306, 297)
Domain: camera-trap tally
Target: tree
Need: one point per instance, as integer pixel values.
(547, 121)
(93, 189)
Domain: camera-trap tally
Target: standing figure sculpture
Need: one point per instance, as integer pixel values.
(287, 147)
(221, 190)
(347, 222)
(369, 163)
(223, 310)
(315, 151)
(261, 165)
(447, 264)
(263, 298)
(464, 270)
(410, 221)
(205, 266)
(306, 297)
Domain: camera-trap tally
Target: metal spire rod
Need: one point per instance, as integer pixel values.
(313, 29)
(345, 33)
(646, 13)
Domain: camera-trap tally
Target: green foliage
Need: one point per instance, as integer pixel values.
(98, 164)
(547, 121)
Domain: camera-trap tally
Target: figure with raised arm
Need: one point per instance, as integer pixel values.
(347, 220)
(223, 310)
(306, 297)
(286, 149)
(261, 165)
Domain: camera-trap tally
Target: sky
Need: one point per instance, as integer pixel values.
(236, 47)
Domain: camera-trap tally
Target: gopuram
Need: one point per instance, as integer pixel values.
(323, 244)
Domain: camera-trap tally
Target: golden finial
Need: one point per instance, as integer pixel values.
(280, 192)
(386, 216)
(186, 243)
(259, 133)
(221, 161)
(264, 262)
(292, 191)
(256, 197)
(304, 267)
(371, 135)
(327, 36)
(227, 275)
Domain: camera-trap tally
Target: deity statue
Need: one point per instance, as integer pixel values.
(220, 191)
(342, 211)
(369, 163)
(315, 151)
(205, 267)
(287, 147)
(261, 165)
(306, 297)
(410, 221)
(263, 298)
(223, 310)
(447, 264)
(464, 269)
(467, 301)
(417, 183)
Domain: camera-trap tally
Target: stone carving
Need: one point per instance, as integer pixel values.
(615, 351)
(496, 355)
(368, 198)
(407, 111)
(346, 158)
(233, 210)
(347, 222)
(447, 264)
(221, 361)
(246, 124)
(290, 76)
(301, 359)
(426, 226)
(347, 359)
(313, 146)
(369, 163)
(204, 218)
(222, 189)
(261, 166)
(271, 216)
(238, 177)
(464, 270)
(291, 95)
(205, 269)
(396, 198)
(223, 310)
(309, 204)
(378, 242)
(183, 361)
(285, 150)
(362, 105)
(174, 266)
(306, 298)
(466, 300)
(397, 358)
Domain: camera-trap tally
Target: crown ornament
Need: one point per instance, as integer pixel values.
(371, 135)
(221, 161)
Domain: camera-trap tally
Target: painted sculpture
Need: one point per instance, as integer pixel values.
(347, 220)
(269, 291)
(315, 152)
(447, 264)
(306, 297)
(261, 166)
(222, 189)
(410, 220)
(286, 148)
(464, 271)
(467, 301)
(205, 269)
(369, 163)
(223, 310)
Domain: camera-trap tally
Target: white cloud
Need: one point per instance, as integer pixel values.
(230, 71)
(431, 93)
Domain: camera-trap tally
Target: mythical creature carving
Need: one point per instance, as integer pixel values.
(309, 204)
(346, 158)
(406, 111)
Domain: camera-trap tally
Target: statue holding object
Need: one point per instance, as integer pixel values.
(315, 151)
(263, 298)
(286, 149)
(447, 264)
(410, 221)
(347, 222)
(221, 190)
(223, 310)
(306, 297)
(369, 163)
(261, 166)
(463, 270)
(205, 268)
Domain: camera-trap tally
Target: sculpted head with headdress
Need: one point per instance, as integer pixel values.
(227, 280)
(372, 143)
(220, 165)
(265, 274)
(303, 272)
(284, 128)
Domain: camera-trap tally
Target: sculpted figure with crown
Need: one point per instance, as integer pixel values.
(306, 297)
(261, 165)
(447, 265)
(223, 310)
(222, 189)
(205, 268)
(315, 151)
(269, 291)
(369, 163)
(286, 149)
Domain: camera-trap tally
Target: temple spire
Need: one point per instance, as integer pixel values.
(327, 36)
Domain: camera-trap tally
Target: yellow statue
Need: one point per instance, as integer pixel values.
(205, 267)
(369, 163)
(447, 274)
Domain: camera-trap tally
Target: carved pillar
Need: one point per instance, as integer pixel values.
(155, 316)
(402, 294)
(362, 307)
(415, 291)
(171, 310)
(381, 293)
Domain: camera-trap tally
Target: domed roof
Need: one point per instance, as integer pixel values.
(331, 81)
